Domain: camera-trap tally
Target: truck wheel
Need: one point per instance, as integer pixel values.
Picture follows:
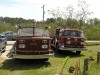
(45, 59)
(16, 59)
(78, 52)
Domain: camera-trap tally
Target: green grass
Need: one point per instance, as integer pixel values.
(51, 67)
(92, 43)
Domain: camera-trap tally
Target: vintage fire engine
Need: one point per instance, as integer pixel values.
(68, 39)
(32, 43)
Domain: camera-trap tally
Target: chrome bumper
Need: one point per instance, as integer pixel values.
(73, 49)
(19, 56)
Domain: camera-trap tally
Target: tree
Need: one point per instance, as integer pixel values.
(56, 13)
(58, 16)
(69, 12)
(50, 20)
(83, 13)
(69, 15)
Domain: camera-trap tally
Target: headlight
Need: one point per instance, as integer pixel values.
(68, 42)
(62, 46)
(82, 39)
(44, 41)
(21, 45)
(82, 43)
(68, 38)
(75, 39)
(44, 46)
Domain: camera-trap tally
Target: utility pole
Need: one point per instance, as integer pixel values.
(43, 11)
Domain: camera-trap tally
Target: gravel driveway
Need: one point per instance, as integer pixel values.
(3, 56)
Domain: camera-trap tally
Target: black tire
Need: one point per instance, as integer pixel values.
(45, 59)
(16, 59)
(78, 52)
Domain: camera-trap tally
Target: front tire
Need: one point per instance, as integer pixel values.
(45, 59)
(78, 52)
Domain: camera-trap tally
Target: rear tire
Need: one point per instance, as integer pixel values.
(78, 52)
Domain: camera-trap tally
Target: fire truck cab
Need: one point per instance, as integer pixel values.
(69, 39)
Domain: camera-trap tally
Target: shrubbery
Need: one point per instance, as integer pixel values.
(92, 32)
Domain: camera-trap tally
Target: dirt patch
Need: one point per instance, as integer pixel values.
(3, 56)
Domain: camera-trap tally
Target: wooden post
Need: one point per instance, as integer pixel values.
(86, 61)
(98, 57)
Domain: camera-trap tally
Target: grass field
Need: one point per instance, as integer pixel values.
(53, 66)
(92, 43)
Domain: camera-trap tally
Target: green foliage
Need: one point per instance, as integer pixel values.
(6, 27)
(92, 43)
(91, 30)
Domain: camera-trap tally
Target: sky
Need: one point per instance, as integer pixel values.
(32, 9)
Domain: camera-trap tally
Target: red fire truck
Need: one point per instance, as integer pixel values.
(32, 43)
(68, 39)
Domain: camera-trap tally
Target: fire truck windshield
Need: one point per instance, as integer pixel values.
(73, 33)
(29, 32)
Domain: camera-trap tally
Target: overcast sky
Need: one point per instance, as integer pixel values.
(31, 9)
